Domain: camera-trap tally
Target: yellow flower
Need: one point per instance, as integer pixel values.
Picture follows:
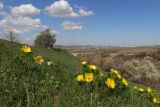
(114, 71)
(119, 76)
(154, 100)
(110, 83)
(89, 77)
(149, 90)
(49, 63)
(80, 77)
(84, 62)
(38, 59)
(124, 82)
(92, 67)
(157, 101)
(141, 90)
(135, 87)
(26, 49)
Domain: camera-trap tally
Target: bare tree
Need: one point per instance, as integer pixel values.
(11, 36)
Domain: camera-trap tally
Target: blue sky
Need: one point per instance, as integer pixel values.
(84, 22)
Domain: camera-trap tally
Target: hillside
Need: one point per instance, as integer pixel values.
(137, 64)
(26, 83)
(13, 73)
(57, 55)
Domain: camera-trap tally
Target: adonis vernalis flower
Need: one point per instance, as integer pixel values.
(114, 71)
(135, 88)
(26, 49)
(49, 63)
(149, 90)
(124, 82)
(38, 59)
(140, 89)
(119, 76)
(84, 62)
(110, 83)
(154, 100)
(89, 77)
(158, 101)
(80, 77)
(92, 67)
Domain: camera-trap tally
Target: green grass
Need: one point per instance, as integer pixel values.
(23, 83)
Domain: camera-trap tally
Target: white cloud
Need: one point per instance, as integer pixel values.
(63, 9)
(19, 20)
(68, 25)
(3, 13)
(20, 25)
(1, 5)
(83, 12)
(25, 10)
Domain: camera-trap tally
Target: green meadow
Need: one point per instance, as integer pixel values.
(24, 83)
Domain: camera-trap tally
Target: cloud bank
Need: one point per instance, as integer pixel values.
(64, 10)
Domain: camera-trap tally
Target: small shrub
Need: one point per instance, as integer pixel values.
(141, 68)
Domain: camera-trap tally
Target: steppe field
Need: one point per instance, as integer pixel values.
(41, 77)
(79, 53)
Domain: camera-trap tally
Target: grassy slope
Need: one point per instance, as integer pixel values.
(64, 65)
(68, 93)
(56, 55)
